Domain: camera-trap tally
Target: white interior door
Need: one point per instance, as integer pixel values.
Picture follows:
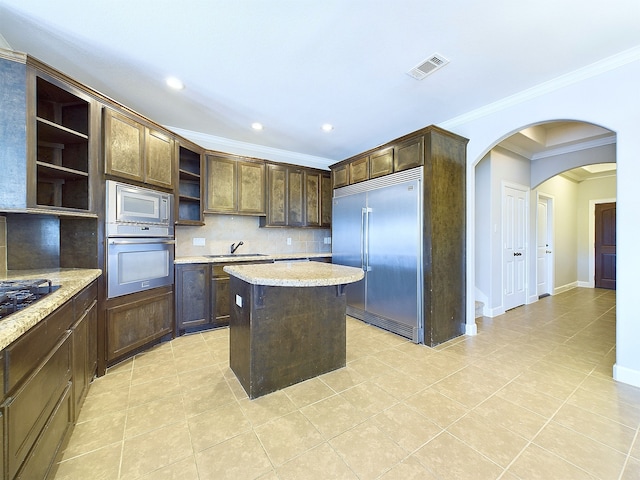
(514, 216)
(543, 248)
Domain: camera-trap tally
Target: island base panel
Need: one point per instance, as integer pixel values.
(280, 336)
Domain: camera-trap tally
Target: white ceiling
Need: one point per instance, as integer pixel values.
(294, 65)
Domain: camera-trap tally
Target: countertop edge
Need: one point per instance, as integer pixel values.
(296, 274)
(71, 282)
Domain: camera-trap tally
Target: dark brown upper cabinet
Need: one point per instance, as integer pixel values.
(402, 154)
(359, 169)
(48, 140)
(135, 151)
(276, 196)
(340, 175)
(409, 153)
(381, 162)
(326, 197)
(297, 197)
(235, 185)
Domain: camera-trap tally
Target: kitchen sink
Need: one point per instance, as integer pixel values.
(237, 255)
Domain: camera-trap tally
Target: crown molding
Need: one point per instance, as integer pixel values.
(623, 58)
(212, 142)
(12, 55)
(598, 142)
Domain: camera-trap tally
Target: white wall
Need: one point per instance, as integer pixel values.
(565, 231)
(498, 167)
(604, 94)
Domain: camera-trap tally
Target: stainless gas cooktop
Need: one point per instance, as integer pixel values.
(18, 294)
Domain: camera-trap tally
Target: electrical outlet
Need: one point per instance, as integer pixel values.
(288, 240)
(239, 301)
(199, 242)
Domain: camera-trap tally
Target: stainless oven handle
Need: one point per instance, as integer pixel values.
(113, 241)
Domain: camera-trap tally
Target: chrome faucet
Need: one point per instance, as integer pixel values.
(235, 247)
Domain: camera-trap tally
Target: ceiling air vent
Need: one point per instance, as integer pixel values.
(430, 65)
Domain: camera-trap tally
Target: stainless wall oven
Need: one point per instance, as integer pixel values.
(140, 241)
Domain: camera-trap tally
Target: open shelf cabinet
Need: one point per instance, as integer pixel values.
(62, 146)
(189, 208)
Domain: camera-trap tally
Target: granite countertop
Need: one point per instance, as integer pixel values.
(296, 274)
(71, 281)
(243, 257)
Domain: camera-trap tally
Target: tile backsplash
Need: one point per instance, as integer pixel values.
(220, 231)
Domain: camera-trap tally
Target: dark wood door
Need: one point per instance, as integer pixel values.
(606, 245)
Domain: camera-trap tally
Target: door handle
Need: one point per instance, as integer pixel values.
(517, 254)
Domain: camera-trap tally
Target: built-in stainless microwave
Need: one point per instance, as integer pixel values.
(138, 212)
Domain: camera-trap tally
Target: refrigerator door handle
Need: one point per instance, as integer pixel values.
(362, 237)
(366, 212)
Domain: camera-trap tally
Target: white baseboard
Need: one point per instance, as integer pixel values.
(565, 288)
(626, 375)
(494, 312)
(471, 329)
(587, 284)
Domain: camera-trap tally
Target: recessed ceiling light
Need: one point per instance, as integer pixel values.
(327, 127)
(175, 83)
(257, 126)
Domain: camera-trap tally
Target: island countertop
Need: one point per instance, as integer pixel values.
(296, 274)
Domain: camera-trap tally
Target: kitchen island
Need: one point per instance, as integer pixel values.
(288, 322)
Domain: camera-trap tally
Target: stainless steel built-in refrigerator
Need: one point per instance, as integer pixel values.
(377, 225)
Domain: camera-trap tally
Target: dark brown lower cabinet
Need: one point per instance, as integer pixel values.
(33, 407)
(137, 320)
(220, 302)
(193, 305)
(47, 372)
(84, 355)
(202, 296)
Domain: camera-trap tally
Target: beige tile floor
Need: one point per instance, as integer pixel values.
(530, 397)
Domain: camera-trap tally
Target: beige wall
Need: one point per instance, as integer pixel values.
(220, 231)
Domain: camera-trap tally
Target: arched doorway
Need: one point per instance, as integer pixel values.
(546, 163)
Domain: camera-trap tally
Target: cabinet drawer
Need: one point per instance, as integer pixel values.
(44, 452)
(25, 354)
(85, 298)
(29, 410)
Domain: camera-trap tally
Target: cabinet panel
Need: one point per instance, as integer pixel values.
(381, 163)
(84, 354)
(277, 196)
(220, 300)
(340, 176)
(295, 198)
(30, 408)
(138, 320)
(24, 354)
(123, 144)
(221, 184)
(359, 170)
(409, 154)
(251, 188)
(326, 199)
(43, 455)
(159, 159)
(193, 305)
(312, 199)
